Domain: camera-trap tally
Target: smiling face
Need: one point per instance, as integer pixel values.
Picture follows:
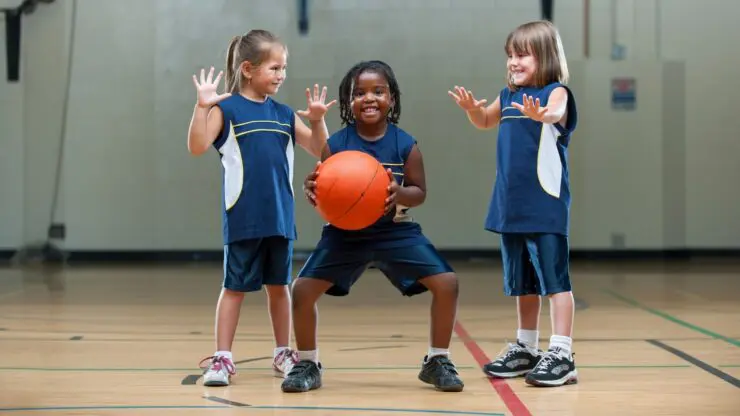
(371, 98)
(267, 78)
(522, 67)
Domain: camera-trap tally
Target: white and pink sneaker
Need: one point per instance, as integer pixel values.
(219, 371)
(284, 362)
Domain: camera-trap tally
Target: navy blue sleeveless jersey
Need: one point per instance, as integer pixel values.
(256, 147)
(395, 229)
(531, 192)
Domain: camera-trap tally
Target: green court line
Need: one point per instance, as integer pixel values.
(671, 318)
(410, 368)
(324, 408)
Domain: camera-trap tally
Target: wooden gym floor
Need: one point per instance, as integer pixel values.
(650, 338)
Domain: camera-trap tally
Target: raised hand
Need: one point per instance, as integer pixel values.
(465, 99)
(316, 107)
(208, 95)
(531, 108)
(390, 202)
(309, 184)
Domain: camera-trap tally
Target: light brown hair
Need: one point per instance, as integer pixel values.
(542, 40)
(254, 47)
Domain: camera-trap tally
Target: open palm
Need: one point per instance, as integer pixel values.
(316, 107)
(207, 89)
(531, 108)
(465, 99)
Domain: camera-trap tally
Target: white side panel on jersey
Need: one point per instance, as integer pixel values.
(233, 169)
(549, 167)
(290, 155)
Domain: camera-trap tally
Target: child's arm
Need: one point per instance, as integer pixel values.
(207, 120)
(414, 189)
(483, 118)
(313, 139)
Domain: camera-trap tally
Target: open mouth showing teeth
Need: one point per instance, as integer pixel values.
(369, 110)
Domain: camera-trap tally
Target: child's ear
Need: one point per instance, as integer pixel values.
(246, 70)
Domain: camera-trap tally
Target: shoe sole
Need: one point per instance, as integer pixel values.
(216, 384)
(446, 389)
(295, 390)
(514, 374)
(570, 378)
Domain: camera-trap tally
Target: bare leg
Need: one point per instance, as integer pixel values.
(528, 308)
(444, 290)
(306, 292)
(562, 310)
(278, 301)
(227, 318)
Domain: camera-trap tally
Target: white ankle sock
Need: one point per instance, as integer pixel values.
(437, 351)
(528, 337)
(278, 350)
(226, 354)
(309, 355)
(562, 342)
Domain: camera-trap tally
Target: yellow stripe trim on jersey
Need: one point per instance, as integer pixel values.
(391, 164)
(261, 121)
(505, 117)
(256, 130)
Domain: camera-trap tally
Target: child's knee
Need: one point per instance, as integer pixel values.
(232, 294)
(306, 291)
(445, 284)
(277, 292)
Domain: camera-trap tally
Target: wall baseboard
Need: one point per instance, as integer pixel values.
(126, 256)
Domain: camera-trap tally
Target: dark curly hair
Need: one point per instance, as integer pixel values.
(345, 90)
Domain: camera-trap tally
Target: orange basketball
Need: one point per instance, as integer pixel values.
(351, 190)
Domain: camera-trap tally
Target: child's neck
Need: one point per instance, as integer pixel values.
(372, 132)
(253, 95)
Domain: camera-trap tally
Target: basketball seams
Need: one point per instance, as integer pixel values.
(362, 194)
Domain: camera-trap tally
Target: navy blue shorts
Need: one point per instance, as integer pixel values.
(535, 264)
(403, 266)
(249, 264)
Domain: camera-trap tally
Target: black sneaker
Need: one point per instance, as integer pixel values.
(305, 376)
(515, 361)
(554, 369)
(441, 372)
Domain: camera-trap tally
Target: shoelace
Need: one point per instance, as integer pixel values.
(285, 355)
(549, 358)
(217, 362)
(510, 349)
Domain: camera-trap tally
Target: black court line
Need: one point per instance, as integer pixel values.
(224, 401)
(190, 380)
(76, 338)
(695, 361)
(3, 329)
(377, 347)
(196, 333)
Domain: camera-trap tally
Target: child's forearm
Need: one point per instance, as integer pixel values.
(410, 196)
(197, 133)
(319, 136)
(477, 117)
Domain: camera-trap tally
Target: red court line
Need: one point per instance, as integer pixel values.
(510, 399)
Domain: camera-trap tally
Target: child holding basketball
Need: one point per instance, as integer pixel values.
(370, 107)
(255, 137)
(536, 115)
